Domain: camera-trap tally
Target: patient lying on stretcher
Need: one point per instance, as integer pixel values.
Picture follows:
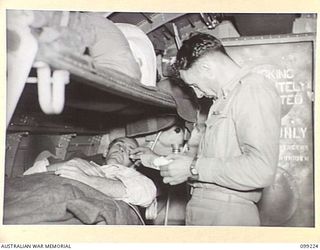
(116, 178)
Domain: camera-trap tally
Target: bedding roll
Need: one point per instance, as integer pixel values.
(143, 52)
(111, 48)
(78, 31)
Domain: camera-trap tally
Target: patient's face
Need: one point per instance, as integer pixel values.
(120, 151)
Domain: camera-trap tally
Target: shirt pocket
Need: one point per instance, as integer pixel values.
(215, 119)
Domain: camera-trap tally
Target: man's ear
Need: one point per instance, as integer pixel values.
(182, 72)
(205, 67)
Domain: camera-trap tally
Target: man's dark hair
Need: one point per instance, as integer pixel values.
(196, 46)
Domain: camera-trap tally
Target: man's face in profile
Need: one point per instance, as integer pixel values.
(119, 152)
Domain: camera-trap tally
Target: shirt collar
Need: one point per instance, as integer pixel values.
(226, 89)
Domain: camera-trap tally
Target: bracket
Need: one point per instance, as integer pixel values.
(63, 144)
(12, 145)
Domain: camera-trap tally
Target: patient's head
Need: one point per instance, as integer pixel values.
(119, 151)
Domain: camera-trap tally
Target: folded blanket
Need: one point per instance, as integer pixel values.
(49, 199)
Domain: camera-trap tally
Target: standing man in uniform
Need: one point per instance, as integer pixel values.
(239, 151)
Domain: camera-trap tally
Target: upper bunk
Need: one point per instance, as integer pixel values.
(100, 88)
(96, 98)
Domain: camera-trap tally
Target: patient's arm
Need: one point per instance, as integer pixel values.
(43, 166)
(89, 168)
(112, 188)
(128, 185)
(55, 166)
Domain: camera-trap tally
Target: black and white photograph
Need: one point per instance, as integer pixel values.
(160, 119)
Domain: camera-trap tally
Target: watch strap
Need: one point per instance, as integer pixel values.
(194, 172)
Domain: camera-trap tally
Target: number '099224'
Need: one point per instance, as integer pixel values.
(309, 246)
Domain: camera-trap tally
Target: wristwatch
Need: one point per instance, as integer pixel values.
(194, 172)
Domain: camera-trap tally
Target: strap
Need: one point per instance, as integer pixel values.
(223, 104)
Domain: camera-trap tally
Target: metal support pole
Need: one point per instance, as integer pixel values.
(12, 145)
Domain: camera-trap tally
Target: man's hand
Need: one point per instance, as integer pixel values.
(72, 172)
(112, 188)
(89, 168)
(78, 169)
(178, 170)
(136, 153)
(146, 155)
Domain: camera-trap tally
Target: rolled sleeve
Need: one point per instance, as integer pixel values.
(140, 190)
